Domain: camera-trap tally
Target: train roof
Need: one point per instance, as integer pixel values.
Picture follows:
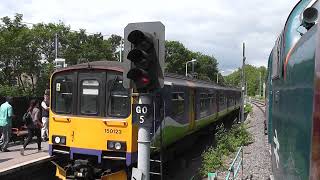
(169, 79)
(175, 79)
(103, 65)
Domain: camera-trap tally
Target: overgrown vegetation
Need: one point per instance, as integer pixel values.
(248, 108)
(228, 142)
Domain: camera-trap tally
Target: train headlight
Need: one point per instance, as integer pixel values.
(59, 140)
(116, 145)
(111, 145)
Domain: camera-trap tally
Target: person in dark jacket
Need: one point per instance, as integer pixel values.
(34, 128)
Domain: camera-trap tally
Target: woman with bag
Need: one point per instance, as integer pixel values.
(34, 128)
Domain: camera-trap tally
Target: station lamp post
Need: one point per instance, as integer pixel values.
(193, 60)
(243, 86)
(218, 76)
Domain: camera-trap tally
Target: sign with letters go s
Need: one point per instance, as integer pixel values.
(142, 114)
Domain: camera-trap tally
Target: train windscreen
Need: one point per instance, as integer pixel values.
(97, 93)
(63, 93)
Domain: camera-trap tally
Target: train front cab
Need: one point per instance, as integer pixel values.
(90, 119)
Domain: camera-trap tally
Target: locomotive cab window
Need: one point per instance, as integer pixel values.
(89, 97)
(63, 94)
(118, 97)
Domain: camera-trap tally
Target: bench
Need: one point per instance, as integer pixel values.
(19, 134)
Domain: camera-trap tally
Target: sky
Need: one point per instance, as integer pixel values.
(213, 27)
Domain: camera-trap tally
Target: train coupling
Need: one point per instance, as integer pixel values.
(60, 172)
(84, 172)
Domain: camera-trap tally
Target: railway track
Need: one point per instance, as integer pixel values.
(260, 104)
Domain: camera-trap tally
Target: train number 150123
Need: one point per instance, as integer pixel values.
(113, 131)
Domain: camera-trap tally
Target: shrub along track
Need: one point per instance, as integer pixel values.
(256, 156)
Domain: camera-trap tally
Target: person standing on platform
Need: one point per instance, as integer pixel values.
(6, 114)
(34, 128)
(45, 117)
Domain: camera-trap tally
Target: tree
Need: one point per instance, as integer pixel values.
(45, 39)
(252, 76)
(19, 53)
(177, 55)
(115, 42)
(206, 66)
(23, 48)
(95, 48)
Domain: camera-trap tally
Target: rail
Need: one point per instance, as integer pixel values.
(238, 162)
(260, 104)
(257, 101)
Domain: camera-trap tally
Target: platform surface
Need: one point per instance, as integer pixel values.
(14, 161)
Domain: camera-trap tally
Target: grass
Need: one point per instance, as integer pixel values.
(228, 141)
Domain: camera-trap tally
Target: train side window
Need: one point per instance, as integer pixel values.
(204, 105)
(178, 105)
(63, 94)
(221, 100)
(314, 4)
(89, 97)
(118, 97)
(276, 59)
(212, 101)
(212, 98)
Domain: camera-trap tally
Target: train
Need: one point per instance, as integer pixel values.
(91, 123)
(293, 96)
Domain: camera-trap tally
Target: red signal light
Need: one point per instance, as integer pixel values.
(145, 80)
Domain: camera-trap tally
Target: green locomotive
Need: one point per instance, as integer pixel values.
(293, 96)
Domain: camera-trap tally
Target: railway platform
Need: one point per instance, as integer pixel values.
(13, 161)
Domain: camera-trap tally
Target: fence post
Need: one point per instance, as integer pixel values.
(242, 163)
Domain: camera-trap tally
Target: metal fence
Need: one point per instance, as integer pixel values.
(235, 165)
(234, 168)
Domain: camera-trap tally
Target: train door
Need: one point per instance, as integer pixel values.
(159, 107)
(192, 108)
(228, 100)
(90, 91)
(269, 101)
(218, 102)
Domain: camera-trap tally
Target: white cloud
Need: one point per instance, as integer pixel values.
(216, 27)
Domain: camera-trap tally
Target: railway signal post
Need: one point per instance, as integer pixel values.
(243, 86)
(144, 58)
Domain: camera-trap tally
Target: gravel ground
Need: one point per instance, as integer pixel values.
(256, 156)
(257, 162)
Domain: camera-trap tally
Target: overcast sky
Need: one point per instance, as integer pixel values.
(213, 27)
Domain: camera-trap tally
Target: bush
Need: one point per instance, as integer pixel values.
(227, 142)
(13, 91)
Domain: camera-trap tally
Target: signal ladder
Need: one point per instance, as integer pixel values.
(157, 163)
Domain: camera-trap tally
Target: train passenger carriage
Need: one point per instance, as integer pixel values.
(91, 120)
